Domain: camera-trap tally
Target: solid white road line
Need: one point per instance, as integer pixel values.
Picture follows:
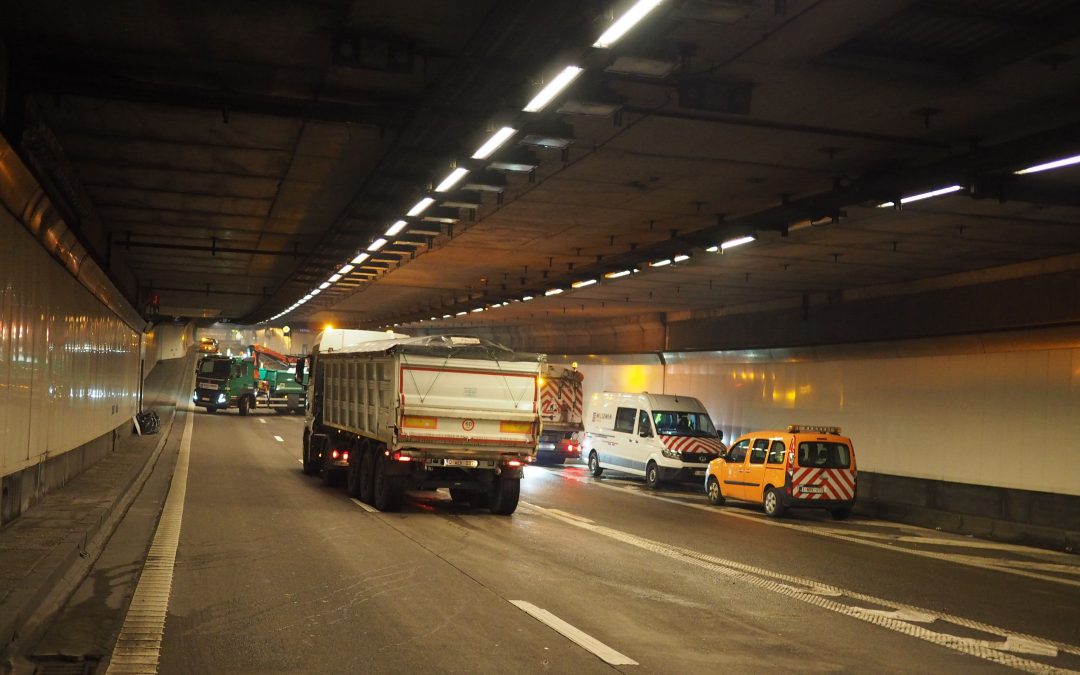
(1004, 566)
(367, 507)
(575, 635)
(138, 648)
(901, 618)
(279, 439)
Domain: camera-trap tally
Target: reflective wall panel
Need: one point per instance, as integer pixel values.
(69, 367)
(1002, 418)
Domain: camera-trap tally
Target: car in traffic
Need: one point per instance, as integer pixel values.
(208, 345)
(802, 467)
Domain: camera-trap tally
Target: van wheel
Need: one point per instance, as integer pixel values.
(245, 405)
(594, 465)
(774, 507)
(840, 514)
(712, 490)
(652, 475)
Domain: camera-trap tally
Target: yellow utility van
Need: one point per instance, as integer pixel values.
(802, 467)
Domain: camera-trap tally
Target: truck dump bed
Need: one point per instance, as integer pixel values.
(437, 393)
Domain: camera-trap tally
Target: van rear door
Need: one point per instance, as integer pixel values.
(825, 471)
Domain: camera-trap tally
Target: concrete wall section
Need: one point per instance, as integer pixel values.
(997, 417)
(69, 367)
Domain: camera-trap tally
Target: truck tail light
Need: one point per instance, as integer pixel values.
(398, 457)
(334, 454)
(345, 456)
(513, 462)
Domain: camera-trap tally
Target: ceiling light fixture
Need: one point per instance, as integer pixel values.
(622, 26)
(377, 244)
(1056, 164)
(461, 314)
(360, 258)
(324, 285)
(738, 241)
(478, 309)
(553, 89)
(660, 263)
(334, 278)
(583, 284)
(451, 180)
(396, 228)
(680, 258)
(446, 316)
(553, 291)
(924, 195)
(616, 275)
(345, 269)
(526, 298)
(494, 143)
(420, 206)
(315, 291)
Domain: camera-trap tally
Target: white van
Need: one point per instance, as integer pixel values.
(658, 436)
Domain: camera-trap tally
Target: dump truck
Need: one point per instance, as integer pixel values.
(561, 402)
(424, 413)
(265, 379)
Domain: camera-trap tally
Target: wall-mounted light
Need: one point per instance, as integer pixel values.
(494, 143)
(420, 206)
(553, 89)
(624, 23)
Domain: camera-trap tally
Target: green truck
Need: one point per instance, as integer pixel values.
(265, 379)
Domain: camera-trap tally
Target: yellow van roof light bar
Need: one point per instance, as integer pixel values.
(796, 428)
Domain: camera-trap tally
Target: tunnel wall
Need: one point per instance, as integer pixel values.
(976, 426)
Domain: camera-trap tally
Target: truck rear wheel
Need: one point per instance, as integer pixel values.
(389, 493)
(367, 475)
(353, 478)
(245, 405)
(311, 465)
(504, 498)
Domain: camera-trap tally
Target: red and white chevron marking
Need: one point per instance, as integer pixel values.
(692, 445)
(834, 483)
(562, 399)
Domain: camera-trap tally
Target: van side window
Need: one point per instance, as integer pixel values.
(761, 448)
(624, 420)
(776, 452)
(643, 425)
(737, 453)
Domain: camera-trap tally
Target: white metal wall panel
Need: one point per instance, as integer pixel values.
(69, 367)
(1004, 419)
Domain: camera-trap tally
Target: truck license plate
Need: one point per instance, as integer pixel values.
(460, 462)
(810, 490)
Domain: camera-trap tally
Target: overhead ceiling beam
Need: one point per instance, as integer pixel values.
(64, 82)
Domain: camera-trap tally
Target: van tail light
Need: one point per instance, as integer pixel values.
(334, 454)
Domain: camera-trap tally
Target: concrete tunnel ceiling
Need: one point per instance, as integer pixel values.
(237, 155)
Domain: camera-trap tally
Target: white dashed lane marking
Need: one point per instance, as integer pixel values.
(575, 635)
(262, 421)
(279, 439)
(367, 507)
(905, 619)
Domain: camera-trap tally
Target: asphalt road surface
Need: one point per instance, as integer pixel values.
(276, 572)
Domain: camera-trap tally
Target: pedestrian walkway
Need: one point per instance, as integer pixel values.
(45, 552)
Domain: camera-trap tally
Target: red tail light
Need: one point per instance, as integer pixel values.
(334, 454)
(345, 456)
(513, 462)
(398, 457)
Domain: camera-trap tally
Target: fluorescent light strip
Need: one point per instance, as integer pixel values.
(616, 275)
(324, 285)
(553, 89)
(680, 258)
(583, 284)
(453, 179)
(377, 244)
(738, 241)
(461, 314)
(420, 206)
(622, 26)
(478, 309)
(345, 269)
(526, 298)
(494, 143)
(924, 195)
(660, 263)
(1056, 164)
(334, 278)
(396, 228)
(316, 291)
(360, 258)
(553, 291)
